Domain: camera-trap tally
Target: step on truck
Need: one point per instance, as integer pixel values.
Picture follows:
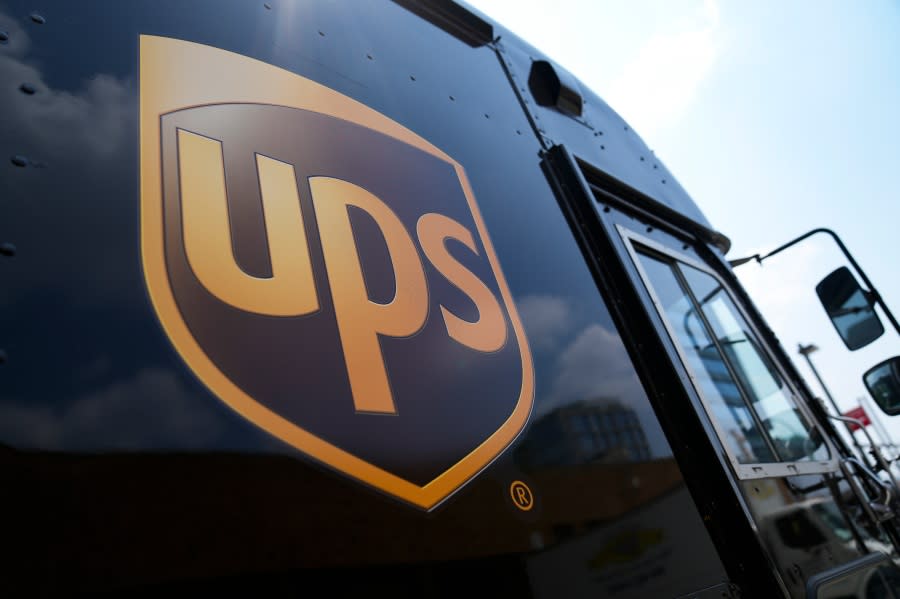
(375, 298)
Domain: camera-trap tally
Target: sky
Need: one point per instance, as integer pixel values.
(777, 118)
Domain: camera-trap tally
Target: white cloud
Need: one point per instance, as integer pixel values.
(594, 364)
(594, 367)
(659, 83)
(546, 319)
(84, 133)
(784, 289)
(152, 409)
(90, 126)
(19, 42)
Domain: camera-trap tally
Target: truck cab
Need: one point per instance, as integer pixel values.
(377, 296)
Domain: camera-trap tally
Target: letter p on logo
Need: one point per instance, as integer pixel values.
(326, 273)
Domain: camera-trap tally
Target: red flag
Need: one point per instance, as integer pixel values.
(860, 414)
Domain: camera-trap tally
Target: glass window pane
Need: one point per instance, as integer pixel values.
(706, 363)
(789, 431)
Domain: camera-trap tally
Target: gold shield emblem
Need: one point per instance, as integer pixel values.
(326, 273)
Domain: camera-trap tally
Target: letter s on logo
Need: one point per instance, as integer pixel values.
(488, 333)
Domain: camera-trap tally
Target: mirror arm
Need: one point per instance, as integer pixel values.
(738, 261)
(872, 294)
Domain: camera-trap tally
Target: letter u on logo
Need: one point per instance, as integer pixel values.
(326, 273)
(290, 290)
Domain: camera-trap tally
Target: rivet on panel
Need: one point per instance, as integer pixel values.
(602, 147)
(20, 161)
(37, 18)
(369, 56)
(487, 116)
(412, 78)
(27, 88)
(452, 99)
(322, 33)
(7, 249)
(267, 6)
(606, 209)
(642, 158)
(649, 229)
(663, 181)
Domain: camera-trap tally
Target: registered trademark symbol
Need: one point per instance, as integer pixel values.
(521, 495)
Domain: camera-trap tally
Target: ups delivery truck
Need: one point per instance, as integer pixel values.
(371, 298)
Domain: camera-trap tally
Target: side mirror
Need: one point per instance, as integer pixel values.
(849, 308)
(883, 383)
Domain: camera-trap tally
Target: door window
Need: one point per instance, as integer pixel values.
(752, 408)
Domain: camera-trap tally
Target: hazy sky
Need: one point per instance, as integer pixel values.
(777, 117)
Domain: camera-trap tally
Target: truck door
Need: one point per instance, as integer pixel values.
(775, 450)
(131, 459)
(783, 470)
(751, 406)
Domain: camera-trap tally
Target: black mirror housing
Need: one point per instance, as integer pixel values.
(883, 383)
(849, 308)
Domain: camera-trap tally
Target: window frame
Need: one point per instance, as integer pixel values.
(744, 471)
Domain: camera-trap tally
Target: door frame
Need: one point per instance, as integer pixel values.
(744, 471)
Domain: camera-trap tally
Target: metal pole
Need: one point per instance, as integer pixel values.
(804, 351)
(887, 440)
(876, 423)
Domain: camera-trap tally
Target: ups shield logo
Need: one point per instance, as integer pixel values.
(326, 273)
